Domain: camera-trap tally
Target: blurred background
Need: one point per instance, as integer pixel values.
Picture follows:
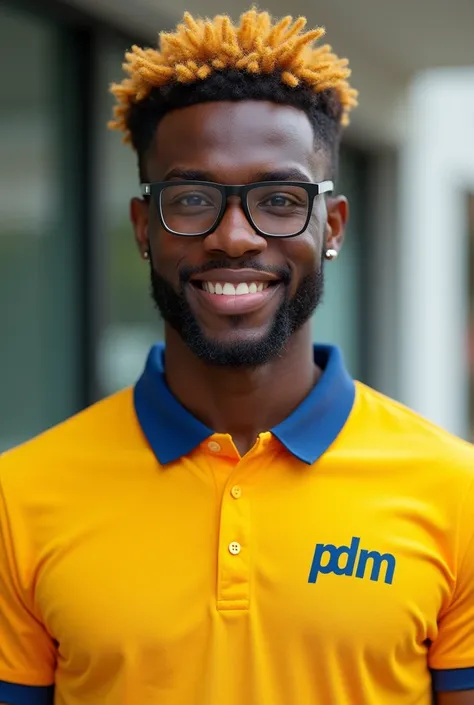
(76, 319)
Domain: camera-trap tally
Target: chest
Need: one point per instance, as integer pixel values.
(153, 577)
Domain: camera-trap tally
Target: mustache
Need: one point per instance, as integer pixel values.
(185, 273)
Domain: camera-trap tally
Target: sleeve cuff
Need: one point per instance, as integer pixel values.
(450, 679)
(14, 694)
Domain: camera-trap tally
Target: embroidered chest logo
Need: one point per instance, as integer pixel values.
(344, 560)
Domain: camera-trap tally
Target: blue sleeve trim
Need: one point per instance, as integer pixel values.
(448, 679)
(14, 694)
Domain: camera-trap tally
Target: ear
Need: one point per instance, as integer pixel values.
(139, 215)
(338, 214)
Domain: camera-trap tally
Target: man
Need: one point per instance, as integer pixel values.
(247, 525)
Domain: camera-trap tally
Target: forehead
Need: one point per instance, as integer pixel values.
(233, 140)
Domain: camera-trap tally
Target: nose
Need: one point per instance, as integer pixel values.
(235, 236)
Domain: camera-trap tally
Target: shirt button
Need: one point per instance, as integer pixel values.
(234, 548)
(236, 492)
(215, 447)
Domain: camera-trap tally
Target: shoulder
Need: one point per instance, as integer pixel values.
(80, 440)
(401, 432)
(419, 468)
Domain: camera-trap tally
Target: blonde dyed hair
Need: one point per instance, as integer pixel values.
(257, 45)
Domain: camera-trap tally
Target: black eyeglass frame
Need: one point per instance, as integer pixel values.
(155, 190)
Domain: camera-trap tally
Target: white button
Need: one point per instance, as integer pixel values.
(236, 492)
(215, 447)
(234, 548)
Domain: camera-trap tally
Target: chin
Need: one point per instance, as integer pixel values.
(236, 334)
(241, 349)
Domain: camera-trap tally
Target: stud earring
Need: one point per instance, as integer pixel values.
(330, 254)
(146, 255)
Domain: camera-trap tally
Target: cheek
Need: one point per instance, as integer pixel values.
(168, 250)
(305, 252)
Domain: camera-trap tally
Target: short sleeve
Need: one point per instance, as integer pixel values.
(451, 656)
(27, 653)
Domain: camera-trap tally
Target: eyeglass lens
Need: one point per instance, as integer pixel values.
(274, 209)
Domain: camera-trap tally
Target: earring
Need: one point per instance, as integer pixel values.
(330, 254)
(146, 254)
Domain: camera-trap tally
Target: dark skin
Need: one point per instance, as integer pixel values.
(235, 143)
(465, 697)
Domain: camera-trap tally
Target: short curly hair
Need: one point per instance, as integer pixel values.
(211, 60)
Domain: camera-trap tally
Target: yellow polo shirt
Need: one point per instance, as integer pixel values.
(144, 562)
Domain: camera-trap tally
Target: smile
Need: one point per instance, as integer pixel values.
(235, 292)
(233, 289)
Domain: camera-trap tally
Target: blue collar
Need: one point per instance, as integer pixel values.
(307, 433)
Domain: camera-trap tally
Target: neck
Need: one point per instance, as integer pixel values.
(242, 402)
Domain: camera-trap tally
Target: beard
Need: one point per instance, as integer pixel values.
(291, 315)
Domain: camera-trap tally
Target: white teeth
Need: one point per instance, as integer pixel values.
(229, 289)
(242, 288)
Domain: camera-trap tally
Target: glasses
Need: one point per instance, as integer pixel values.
(273, 208)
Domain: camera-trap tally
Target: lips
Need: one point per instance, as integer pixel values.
(235, 291)
(235, 276)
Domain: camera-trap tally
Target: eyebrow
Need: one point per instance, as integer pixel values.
(290, 174)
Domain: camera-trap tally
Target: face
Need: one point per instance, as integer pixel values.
(238, 143)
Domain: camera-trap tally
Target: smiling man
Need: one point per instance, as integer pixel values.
(247, 525)
(237, 304)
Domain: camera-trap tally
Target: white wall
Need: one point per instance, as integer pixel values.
(436, 171)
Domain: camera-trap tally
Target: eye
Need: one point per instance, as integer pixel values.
(282, 201)
(279, 200)
(193, 200)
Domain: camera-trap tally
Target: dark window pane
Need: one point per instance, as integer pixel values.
(38, 347)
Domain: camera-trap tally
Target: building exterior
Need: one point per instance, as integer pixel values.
(74, 306)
